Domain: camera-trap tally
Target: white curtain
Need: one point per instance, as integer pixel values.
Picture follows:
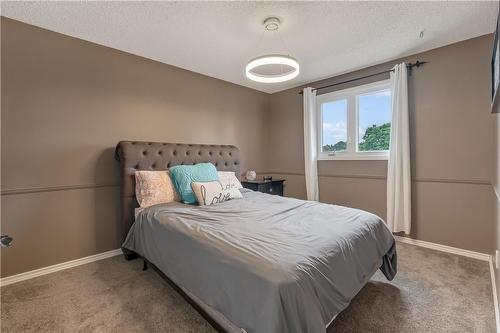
(398, 171)
(310, 144)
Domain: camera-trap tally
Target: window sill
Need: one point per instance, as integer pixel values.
(357, 157)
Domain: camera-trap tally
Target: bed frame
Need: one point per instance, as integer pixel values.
(139, 155)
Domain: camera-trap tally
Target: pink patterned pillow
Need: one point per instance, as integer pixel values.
(154, 187)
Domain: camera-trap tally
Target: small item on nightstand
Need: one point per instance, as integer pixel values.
(268, 178)
(251, 175)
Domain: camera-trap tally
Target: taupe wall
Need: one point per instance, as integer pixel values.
(65, 105)
(452, 145)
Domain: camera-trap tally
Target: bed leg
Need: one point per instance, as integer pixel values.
(145, 265)
(129, 255)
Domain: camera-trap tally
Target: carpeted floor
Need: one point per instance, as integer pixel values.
(433, 292)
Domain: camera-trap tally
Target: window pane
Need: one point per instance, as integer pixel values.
(334, 123)
(374, 121)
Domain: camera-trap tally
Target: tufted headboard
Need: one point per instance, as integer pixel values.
(137, 155)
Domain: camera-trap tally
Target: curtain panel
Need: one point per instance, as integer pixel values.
(310, 144)
(398, 167)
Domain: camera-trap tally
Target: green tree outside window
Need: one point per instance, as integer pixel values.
(375, 138)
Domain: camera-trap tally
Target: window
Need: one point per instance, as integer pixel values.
(334, 125)
(355, 123)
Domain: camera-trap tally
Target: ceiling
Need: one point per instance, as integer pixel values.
(218, 38)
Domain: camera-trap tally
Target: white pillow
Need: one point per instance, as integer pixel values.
(228, 177)
(209, 193)
(154, 187)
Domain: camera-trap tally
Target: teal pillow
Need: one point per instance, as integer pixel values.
(184, 175)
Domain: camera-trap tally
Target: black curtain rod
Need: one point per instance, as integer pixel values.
(409, 66)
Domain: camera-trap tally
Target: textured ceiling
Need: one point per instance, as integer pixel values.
(218, 38)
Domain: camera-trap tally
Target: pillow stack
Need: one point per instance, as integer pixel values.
(200, 183)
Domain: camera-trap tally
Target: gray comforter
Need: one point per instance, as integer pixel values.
(267, 263)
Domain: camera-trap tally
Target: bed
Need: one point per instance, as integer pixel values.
(258, 264)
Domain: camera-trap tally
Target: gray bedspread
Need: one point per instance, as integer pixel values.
(267, 263)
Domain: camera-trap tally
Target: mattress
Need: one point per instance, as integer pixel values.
(266, 263)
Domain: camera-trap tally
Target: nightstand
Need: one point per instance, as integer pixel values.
(274, 186)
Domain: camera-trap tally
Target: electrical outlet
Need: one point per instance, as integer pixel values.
(496, 259)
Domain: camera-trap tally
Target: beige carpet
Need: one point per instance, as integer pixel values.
(433, 292)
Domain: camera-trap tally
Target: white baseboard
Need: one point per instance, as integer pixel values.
(495, 297)
(444, 248)
(58, 267)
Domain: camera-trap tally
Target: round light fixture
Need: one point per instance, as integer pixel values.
(272, 60)
(272, 68)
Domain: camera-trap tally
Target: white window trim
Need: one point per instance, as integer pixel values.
(352, 122)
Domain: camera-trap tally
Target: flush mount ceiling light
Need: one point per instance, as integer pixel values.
(272, 68)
